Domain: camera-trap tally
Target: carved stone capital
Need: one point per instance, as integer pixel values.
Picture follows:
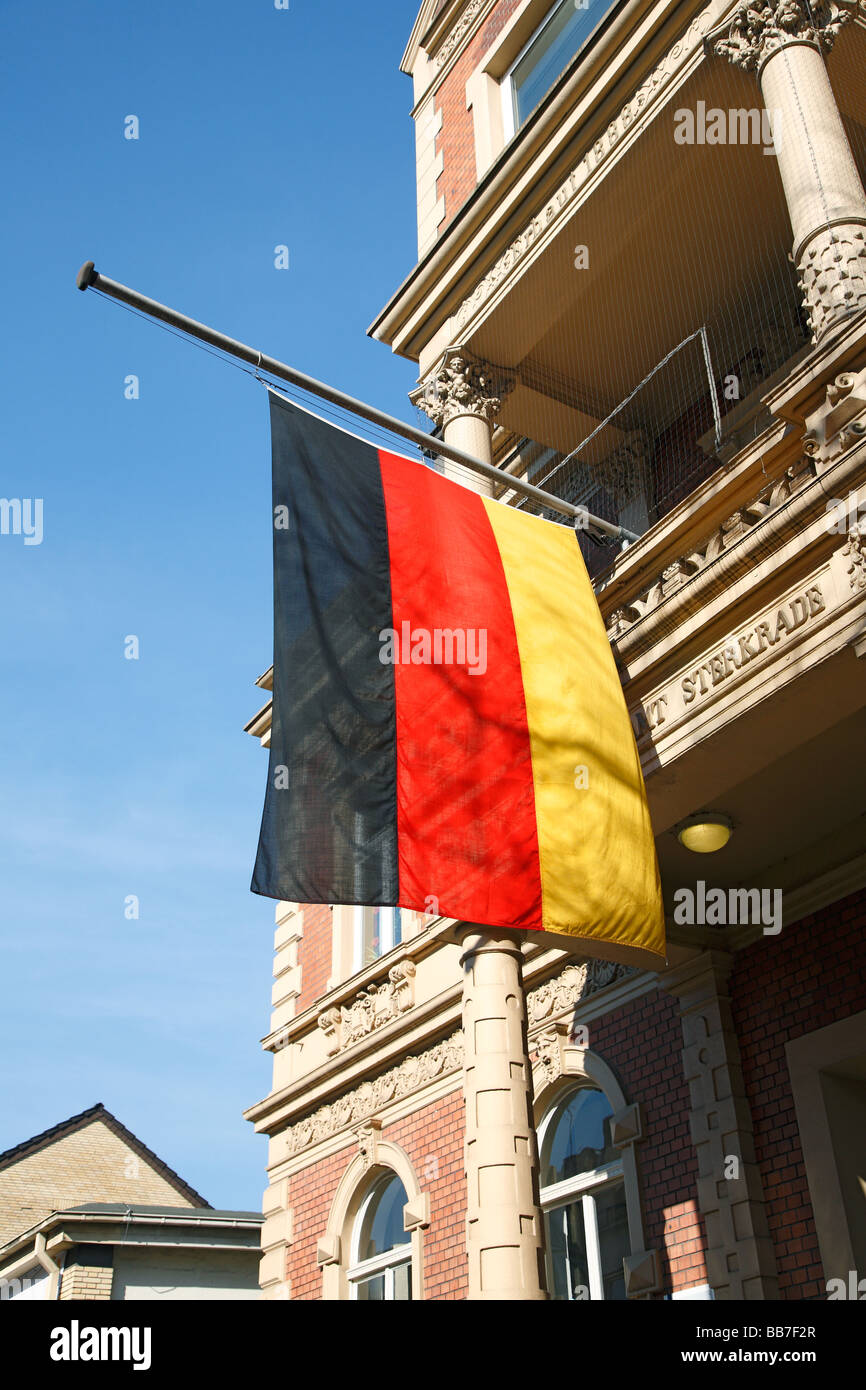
(462, 384)
(832, 275)
(756, 31)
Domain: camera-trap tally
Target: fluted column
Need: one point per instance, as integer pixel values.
(783, 42)
(504, 1234)
(463, 396)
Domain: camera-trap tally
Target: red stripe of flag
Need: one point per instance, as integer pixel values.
(466, 826)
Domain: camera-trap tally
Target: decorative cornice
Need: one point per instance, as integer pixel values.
(371, 1009)
(368, 1098)
(574, 984)
(755, 32)
(462, 384)
(770, 499)
(461, 28)
(357, 1108)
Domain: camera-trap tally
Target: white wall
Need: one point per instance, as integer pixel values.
(173, 1275)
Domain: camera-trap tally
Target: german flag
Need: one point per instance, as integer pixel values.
(449, 731)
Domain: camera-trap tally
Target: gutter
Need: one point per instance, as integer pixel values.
(50, 1266)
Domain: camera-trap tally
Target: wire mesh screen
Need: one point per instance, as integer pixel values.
(676, 429)
(689, 313)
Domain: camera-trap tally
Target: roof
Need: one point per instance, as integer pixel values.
(101, 1214)
(181, 1213)
(86, 1117)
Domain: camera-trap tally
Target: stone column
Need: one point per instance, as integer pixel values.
(463, 396)
(783, 42)
(504, 1233)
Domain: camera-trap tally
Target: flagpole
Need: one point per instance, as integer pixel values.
(89, 278)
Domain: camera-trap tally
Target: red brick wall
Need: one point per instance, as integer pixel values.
(812, 975)
(311, 1193)
(456, 139)
(643, 1043)
(315, 953)
(433, 1139)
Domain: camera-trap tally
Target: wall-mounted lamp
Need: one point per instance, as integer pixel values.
(705, 832)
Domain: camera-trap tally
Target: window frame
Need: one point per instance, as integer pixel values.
(389, 939)
(510, 126)
(360, 1271)
(582, 1187)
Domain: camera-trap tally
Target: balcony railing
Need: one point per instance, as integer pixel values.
(673, 433)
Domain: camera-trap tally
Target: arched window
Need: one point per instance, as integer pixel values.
(381, 1250)
(583, 1197)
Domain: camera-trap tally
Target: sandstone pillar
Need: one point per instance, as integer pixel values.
(783, 42)
(504, 1234)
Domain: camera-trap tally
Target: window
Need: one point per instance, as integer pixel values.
(563, 34)
(377, 931)
(32, 1284)
(381, 1269)
(583, 1197)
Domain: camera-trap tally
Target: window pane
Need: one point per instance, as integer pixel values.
(372, 1290)
(398, 926)
(552, 51)
(612, 1218)
(383, 1220)
(372, 934)
(403, 1282)
(578, 1140)
(566, 1245)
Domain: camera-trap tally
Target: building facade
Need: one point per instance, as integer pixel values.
(641, 284)
(88, 1212)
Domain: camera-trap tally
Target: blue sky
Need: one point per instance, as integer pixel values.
(258, 128)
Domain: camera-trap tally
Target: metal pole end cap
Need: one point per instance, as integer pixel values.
(86, 276)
